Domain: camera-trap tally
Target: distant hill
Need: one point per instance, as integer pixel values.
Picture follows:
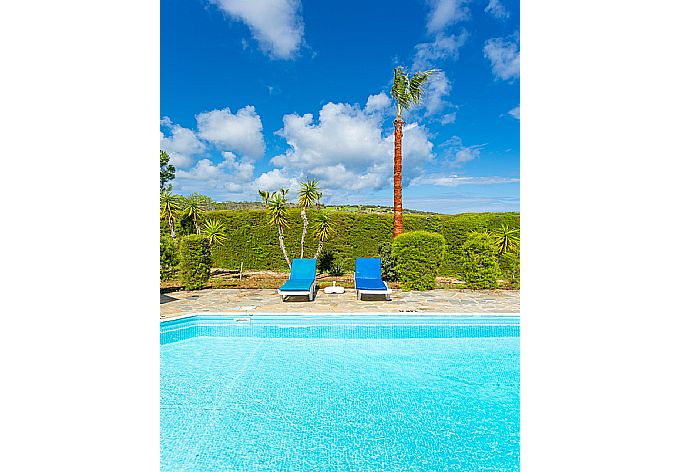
(360, 209)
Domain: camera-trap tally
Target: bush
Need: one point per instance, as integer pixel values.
(510, 269)
(418, 256)
(325, 262)
(336, 269)
(169, 258)
(195, 261)
(387, 262)
(479, 265)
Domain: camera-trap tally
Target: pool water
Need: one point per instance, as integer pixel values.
(310, 393)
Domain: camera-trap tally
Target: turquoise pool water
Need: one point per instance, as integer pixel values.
(332, 393)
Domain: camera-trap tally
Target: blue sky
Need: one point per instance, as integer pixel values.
(262, 94)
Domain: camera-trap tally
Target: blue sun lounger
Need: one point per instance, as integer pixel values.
(368, 278)
(302, 279)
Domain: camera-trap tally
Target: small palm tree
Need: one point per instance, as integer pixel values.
(406, 92)
(507, 240)
(265, 196)
(277, 216)
(170, 210)
(308, 196)
(323, 229)
(194, 208)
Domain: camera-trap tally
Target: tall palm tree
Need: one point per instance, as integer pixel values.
(194, 209)
(323, 229)
(507, 240)
(277, 216)
(170, 209)
(308, 195)
(406, 92)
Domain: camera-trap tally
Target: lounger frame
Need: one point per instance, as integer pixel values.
(364, 291)
(311, 293)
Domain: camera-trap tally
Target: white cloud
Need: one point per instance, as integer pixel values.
(241, 132)
(457, 180)
(181, 145)
(445, 13)
(438, 88)
(443, 47)
(346, 150)
(497, 9)
(504, 56)
(276, 24)
(378, 102)
(515, 112)
(232, 175)
(455, 152)
(448, 118)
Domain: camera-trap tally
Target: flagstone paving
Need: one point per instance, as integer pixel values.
(267, 301)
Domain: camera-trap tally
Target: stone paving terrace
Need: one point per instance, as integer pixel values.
(267, 301)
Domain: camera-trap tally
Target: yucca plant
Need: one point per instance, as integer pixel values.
(170, 210)
(194, 208)
(308, 196)
(406, 91)
(277, 216)
(214, 230)
(323, 229)
(506, 239)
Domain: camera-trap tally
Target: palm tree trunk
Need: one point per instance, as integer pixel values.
(172, 228)
(282, 246)
(318, 250)
(305, 223)
(397, 179)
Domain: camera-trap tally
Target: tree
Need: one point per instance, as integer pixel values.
(323, 229)
(308, 196)
(265, 196)
(406, 92)
(194, 207)
(167, 172)
(170, 209)
(277, 216)
(506, 239)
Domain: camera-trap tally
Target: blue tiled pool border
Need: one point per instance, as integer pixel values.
(340, 327)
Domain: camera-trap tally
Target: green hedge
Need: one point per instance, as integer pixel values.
(417, 256)
(479, 265)
(253, 241)
(195, 261)
(169, 258)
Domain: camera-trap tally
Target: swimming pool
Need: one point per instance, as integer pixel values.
(340, 393)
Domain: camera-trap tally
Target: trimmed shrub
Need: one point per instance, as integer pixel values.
(326, 261)
(195, 261)
(169, 258)
(418, 256)
(387, 261)
(479, 263)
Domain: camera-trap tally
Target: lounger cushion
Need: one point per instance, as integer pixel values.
(297, 285)
(370, 284)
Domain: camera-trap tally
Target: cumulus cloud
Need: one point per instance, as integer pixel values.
(455, 152)
(434, 99)
(448, 118)
(504, 56)
(346, 150)
(497, 9)
(241, 132)
(232, 175)
(515, 112)
(378, 102)
(441, 48)
(276, 25)
(445, 13)
(181, 145)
